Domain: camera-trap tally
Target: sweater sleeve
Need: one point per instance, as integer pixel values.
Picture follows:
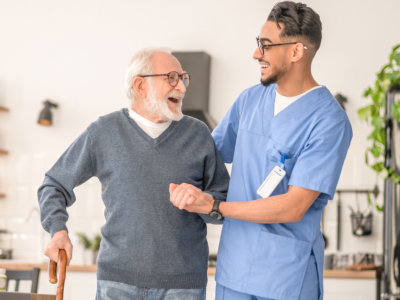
(73, 168)
(215, 180)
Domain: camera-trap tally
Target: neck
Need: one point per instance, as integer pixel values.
(140, 108)
(296, 82)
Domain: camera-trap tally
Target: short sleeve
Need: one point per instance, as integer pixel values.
(320, 163)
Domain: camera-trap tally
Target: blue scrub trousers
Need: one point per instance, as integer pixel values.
(111, 290)
(309, 291)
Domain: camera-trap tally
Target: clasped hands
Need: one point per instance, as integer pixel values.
(188, 197)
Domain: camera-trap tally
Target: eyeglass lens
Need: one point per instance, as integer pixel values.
(173, 78)
(260, 46)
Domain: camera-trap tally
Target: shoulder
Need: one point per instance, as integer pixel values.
(108, 121)
(331, 106)
(330, 113)
(253, 96)
(257, 91)
(189, 123)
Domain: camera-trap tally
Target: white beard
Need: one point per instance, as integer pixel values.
(160, 107)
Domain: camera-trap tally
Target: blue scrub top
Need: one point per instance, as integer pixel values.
(270, 260)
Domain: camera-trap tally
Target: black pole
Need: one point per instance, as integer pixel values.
(387, 212)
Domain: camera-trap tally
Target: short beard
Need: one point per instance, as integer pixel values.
(269, 80)
(273, 78)
(160, 107)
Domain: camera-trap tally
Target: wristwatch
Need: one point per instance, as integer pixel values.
(215, 213)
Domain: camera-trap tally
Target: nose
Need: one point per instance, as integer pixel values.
(180, 86)
(257, 54)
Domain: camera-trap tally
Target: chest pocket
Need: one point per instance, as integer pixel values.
(275, 151)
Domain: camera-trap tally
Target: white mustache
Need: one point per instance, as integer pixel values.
(176, 95)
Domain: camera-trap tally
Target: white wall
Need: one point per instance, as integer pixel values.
(75, 52)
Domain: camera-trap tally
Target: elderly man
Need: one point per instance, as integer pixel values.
(149, 248)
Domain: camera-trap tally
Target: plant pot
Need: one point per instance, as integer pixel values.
(90, 257)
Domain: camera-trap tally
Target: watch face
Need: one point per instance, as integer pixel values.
(215, 215)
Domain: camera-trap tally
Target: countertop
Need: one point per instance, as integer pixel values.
(19, 265)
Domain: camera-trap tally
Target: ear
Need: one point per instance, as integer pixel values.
(140, 86)
(298, 52)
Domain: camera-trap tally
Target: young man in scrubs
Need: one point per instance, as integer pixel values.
(271, 244)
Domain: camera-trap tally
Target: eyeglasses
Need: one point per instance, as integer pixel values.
(173, 78)
(267, 46)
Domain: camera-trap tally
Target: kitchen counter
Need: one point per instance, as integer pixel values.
(19, 265)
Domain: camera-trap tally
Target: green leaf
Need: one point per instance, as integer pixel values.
(396, 58)
(378, 122)
(381, 75)
(395, 48)
(369, 198)
(364, 113)
(381, 136)
(394, 78)
(379, 207)
(378, 167)
(376, 150)
(396, 111)
(83, 240)
(96, 243)
(367, 92)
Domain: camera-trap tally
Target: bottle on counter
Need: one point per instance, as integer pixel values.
(3, 279)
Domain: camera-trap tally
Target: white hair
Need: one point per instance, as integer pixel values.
(140, 64)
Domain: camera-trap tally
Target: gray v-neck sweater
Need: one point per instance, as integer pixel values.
(147, 241)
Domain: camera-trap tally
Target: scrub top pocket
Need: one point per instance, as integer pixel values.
(279, 265)
(275, 151)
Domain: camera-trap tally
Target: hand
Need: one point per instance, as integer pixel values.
(60, 240)
(188, 197)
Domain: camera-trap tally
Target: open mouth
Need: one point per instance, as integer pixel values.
(174, 100)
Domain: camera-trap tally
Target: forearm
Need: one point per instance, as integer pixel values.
(285, 208)
(52, 202)
(275, 209)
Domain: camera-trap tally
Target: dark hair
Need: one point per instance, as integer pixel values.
(299, 20)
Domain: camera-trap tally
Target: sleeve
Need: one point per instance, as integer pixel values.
(73, 168)
(226, 132)
(320, 163)
(215, 179)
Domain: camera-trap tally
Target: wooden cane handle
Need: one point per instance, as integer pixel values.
(62, 271)
(52, 271)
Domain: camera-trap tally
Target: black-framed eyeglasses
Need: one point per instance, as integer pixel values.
(267, 46)
(173, 78)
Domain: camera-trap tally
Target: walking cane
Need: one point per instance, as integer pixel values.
(53, 273)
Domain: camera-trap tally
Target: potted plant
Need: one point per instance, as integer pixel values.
(375, 115)
(91, 246)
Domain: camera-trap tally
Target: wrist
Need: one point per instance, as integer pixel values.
(211, 205)
(215, 212)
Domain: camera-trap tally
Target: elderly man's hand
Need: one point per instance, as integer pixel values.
(188, 197)
(60, 240)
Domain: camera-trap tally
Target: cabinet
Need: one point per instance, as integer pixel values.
(3, 151)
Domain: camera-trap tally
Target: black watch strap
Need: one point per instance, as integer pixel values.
(215, 207)
(215, 213)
